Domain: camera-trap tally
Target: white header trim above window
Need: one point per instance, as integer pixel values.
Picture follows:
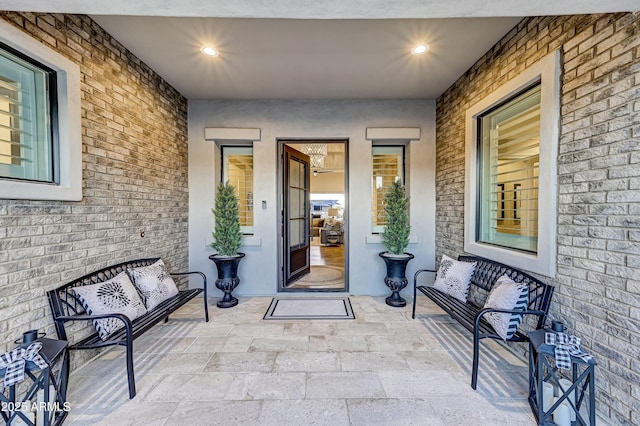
(548, 71)
(231, 134)
(393, 133)
(69, 188)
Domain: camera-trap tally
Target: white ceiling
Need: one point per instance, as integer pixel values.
(310, 49)
(307, 59)
(324, 9)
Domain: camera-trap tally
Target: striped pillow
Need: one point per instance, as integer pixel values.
(509, 295)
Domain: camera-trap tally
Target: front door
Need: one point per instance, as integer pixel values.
(296, 215)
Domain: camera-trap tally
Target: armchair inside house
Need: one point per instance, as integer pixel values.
(332, 231)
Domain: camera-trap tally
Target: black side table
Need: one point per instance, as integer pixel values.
(53, 409)
(580, 394)
(330, 237)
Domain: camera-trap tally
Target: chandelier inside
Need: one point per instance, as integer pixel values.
(317, 153)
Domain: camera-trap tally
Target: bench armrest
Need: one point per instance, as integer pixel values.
(128, 325)
(88, 317)
(203, 276)
(415, 287)
(484, 311)
(418, 272)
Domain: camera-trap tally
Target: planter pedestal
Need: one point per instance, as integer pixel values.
(396, 278)
(227, 277)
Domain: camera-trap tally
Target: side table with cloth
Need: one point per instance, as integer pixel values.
(35, 361)
(549, 352)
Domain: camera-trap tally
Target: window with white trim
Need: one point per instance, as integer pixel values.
(27, 121)
(508, 162)
(388, 167)
(511, 170)
(40, 120)
(237, 168)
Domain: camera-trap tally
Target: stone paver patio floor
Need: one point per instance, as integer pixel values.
(383, 368)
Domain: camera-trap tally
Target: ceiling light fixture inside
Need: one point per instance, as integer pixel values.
(317, 153)
(420, 49)
(209, 51)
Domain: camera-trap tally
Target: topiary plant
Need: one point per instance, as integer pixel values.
(396, 232)
(226, 234)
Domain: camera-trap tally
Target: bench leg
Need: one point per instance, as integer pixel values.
(206, 306)
(130, 374)
(413, 313)
(476, 356)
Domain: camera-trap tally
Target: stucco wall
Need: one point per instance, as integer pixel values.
(310, 119)
(134, 156)
(598, 263)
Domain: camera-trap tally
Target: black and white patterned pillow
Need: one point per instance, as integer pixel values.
(154, 283)
(509, 295)
(454, 277)
(115, 296)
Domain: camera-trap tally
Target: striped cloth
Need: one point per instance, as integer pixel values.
(16, 360)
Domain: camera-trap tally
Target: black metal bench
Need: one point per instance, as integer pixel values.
(66, 307)
(470, 313)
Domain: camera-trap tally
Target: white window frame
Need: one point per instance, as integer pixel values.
(548, 72)
(29, 129)
(238, 149)
(387, 149)
(69, 185)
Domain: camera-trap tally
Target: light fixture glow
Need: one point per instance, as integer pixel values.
(317, 153)
(420, 49)
(209, 51)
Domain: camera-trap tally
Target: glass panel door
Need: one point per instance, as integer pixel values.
(296, 215)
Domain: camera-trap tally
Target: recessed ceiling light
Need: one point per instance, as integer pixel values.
(209, 51)
(420, 49)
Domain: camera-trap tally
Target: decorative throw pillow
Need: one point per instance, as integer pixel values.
(115, 296)
(331, 224)
(154, 283)
(454, 277)
(506, 294)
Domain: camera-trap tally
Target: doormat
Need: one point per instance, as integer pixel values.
(309, 308)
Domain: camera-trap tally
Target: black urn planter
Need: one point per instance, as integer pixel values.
(396, 278)
(227, 277)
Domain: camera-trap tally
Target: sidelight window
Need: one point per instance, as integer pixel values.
(237, 168)
(388, 167)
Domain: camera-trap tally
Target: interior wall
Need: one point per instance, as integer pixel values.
(314, 120)
(135, 195)
(597, 292)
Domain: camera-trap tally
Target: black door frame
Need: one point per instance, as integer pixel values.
(281, 142)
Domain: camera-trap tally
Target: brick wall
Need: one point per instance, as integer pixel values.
(598, 280)
(134, 152)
